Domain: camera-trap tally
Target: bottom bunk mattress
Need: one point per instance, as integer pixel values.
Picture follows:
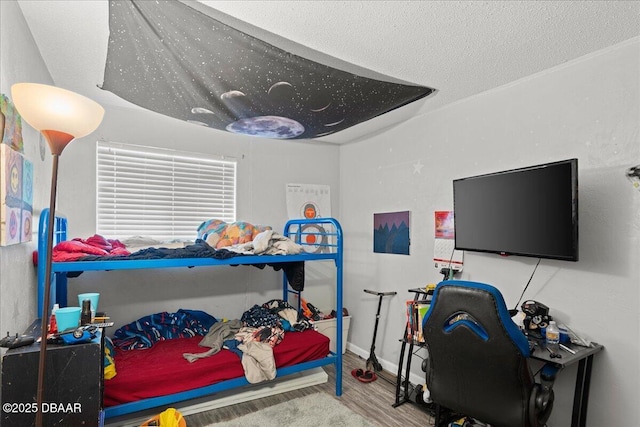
(162, 370)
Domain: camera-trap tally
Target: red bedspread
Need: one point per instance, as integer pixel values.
(162, 370)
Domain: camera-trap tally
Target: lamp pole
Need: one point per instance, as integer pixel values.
(57, 141)
(61, 116)
(42, 359)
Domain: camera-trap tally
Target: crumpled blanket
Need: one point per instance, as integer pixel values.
(257, 361)
(294, 271)
(268, 242)
(256, 345)
(146, 331)
(200, 249)
(272, 335)
(253, 345)
(136, 243)
(72, 250)
(258, 316)
(217, 335)
(290, 318)
(221, 234)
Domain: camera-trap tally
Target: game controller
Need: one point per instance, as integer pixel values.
(11, 341)
(536, 317)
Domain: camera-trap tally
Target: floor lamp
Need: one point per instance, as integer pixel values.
(61, 116)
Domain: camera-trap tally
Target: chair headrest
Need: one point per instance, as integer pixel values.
(463, 316)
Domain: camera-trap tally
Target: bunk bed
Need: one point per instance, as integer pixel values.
(321, 236)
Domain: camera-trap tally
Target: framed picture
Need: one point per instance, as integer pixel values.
(10, 125)
(391, 233)
(16, 194)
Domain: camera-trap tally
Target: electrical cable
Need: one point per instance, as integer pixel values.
(450, 261)
(448, 272)
(527, 285)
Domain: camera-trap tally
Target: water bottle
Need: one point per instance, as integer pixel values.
(53, 324)
(85, 315)
(553, 336)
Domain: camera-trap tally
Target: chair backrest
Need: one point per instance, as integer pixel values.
(477, 363)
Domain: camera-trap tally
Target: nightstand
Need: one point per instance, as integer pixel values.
(73, 383)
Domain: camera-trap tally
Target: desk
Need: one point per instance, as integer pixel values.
(403, 388)
(584, 357)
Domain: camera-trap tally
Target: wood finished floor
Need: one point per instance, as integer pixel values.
(371, 400)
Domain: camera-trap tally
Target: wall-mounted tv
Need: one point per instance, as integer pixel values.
(531, 211)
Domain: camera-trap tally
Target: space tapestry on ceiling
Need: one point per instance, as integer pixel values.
(171, 58)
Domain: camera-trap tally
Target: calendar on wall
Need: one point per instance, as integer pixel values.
(444, 253)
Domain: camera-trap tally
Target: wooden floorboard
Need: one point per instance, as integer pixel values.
(373, 400)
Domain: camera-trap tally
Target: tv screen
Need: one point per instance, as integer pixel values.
(530, 211)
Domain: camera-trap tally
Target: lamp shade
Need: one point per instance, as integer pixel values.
(50, 108)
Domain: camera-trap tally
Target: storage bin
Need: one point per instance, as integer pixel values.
(328, 328)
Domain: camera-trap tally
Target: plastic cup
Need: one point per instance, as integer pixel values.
(67, 318)
(94, 297)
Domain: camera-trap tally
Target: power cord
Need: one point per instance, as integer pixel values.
(527, 285)
(449, 272)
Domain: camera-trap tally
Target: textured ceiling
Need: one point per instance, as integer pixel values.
(461, 48)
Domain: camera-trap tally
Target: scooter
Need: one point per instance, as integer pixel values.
(372, 361)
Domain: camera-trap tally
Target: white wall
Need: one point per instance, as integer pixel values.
(587, 109)
(20, 61)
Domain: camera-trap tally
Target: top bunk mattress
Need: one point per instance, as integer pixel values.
(319, 239)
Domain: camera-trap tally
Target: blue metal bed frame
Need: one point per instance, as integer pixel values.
(331, 249)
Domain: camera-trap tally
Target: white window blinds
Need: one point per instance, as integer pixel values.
(164, 194)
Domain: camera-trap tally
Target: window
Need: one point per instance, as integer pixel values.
(164, 194)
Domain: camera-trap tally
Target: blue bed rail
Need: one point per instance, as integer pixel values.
(321, 239)
(59, 293)
(321, 236)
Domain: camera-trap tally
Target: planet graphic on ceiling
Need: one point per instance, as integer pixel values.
(267, 127)
(279, 97)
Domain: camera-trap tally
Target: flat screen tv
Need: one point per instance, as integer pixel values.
(531, 211)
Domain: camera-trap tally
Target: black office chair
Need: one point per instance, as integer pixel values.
(477, 363)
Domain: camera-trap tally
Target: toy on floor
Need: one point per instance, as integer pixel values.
(168, 418)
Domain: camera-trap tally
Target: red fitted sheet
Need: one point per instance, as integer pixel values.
(161, 369)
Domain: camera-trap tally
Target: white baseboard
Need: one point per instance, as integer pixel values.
(280, 385)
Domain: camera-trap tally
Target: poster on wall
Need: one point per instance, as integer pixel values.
(10, 125)
(444, 253)
(16, 194)
(310, 201)
(391, 233)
